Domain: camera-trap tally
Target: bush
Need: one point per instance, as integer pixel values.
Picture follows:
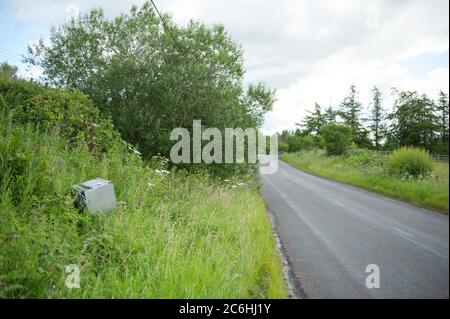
(70, 112)
(295, 143)
(298, 143)
(362, 157)
(337, 138)
(409, 161)
(283, 147)
(440, 147)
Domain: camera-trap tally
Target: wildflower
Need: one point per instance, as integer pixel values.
(135, 151)
(161, 171)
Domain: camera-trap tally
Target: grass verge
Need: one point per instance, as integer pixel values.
(367, 172)
(172, 235)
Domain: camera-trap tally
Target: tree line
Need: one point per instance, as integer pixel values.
(415, 120)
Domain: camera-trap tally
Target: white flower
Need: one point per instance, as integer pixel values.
(161, 171)
(135, 151)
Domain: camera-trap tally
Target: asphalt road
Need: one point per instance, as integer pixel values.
(330, 232)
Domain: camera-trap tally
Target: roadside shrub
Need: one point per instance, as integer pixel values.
(409, 161)
(68, 111)
(362, 157)
(283, 147)
(337, 138)
(294, 143)
(299, 143)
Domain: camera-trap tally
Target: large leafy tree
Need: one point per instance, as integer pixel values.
(413, 120)
(152, 77)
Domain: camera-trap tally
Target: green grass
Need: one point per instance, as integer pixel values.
(171, 236)
(366, 171)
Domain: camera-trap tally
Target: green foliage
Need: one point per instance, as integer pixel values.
(8, 72)
(363, 157)
(313, 122)
(440, 147)
(337, 138)
(297, 143)
(362, 138)
(330, 115)
(416, 120)
(442, 116)
(409, 162)
(71, 113)
(413, 121)
(150, 82)
(283, 147)
(171, 235)
(350, 110)
(257, 101)
(360, 168)
(294, 142)
(377, 118)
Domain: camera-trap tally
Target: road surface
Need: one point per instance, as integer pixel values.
(331, 232)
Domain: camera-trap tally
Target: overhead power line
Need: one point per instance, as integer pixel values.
(10, 55)
(166, 28)
(10, 52)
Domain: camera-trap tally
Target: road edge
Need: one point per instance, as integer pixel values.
(368, 190)
(294, 288)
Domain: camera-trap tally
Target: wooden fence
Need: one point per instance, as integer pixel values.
(435, 157)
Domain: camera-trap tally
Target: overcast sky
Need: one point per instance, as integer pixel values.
(310, 51)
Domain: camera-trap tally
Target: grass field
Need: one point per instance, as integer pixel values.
(172, 235)
(367, 172)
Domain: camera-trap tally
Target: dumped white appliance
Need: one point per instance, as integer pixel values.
(96, 194)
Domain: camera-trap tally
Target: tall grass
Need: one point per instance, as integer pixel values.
(366, 169)
(172, 235)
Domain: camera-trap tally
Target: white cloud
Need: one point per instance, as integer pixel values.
(309, 50)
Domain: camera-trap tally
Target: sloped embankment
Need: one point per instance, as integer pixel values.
(171, 235)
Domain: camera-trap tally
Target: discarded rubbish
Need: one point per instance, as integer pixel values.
(96, 194)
